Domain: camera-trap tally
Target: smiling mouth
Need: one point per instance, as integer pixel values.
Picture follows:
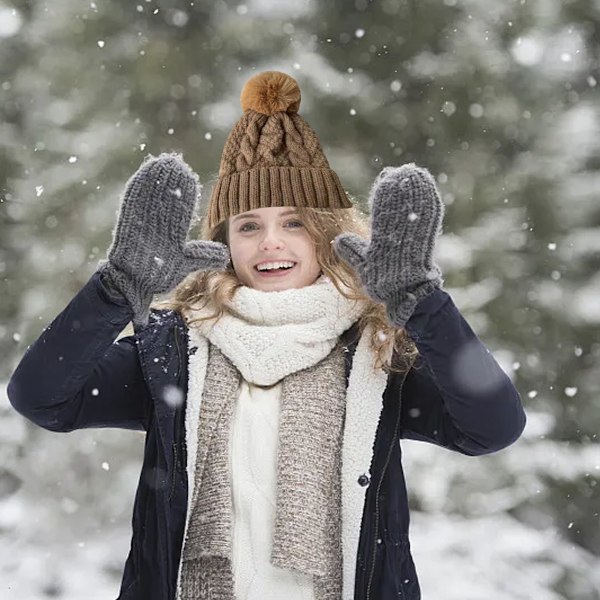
(274, 272)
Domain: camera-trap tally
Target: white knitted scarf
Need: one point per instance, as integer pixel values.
(282, 332)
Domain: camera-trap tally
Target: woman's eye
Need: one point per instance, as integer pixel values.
(293, 224)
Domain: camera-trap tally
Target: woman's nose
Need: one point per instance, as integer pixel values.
(271, 239)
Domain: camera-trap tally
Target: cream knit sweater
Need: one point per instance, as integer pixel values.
(253, 467)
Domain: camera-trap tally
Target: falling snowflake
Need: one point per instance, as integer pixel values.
(172, 396)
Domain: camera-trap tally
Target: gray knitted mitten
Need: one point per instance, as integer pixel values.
(396, 266)
(149, 253)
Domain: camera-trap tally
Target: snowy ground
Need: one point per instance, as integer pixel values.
(55, 544)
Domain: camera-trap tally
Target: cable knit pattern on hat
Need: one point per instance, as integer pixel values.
(272, 157)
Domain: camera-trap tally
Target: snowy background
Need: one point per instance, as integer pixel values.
(498, 99)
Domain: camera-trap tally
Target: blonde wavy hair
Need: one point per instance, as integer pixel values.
(392, 347)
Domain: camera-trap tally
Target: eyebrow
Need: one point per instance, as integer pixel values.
(255, 216)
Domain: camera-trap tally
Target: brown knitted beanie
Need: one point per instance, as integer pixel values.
(272, 156)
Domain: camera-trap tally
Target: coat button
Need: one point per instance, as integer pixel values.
(363, 480)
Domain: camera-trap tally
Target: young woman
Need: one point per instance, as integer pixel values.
(300, 344)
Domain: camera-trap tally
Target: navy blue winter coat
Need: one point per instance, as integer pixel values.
(57, 381)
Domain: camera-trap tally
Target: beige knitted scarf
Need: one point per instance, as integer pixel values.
(293, 336)
(307, 522)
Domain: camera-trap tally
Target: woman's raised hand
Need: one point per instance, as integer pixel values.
(149, 253)
(396, 266)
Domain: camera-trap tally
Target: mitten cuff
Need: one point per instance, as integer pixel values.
(111, 291)
(119, 283)
(402, 304)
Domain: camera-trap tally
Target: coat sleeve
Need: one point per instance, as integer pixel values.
(76, 375)
(456, 395)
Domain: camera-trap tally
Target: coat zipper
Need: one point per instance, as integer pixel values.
(387, 461)
(177, 456)
(175, 469)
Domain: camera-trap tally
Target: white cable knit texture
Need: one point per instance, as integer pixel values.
(282, 331)
(253, 456)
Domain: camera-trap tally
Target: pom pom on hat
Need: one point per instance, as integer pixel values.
(270, 92)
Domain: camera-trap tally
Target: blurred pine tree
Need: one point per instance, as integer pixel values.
(498, 100)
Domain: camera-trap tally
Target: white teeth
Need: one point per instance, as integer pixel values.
(274, 265)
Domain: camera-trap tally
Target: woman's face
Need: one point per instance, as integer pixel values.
(270, 235)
